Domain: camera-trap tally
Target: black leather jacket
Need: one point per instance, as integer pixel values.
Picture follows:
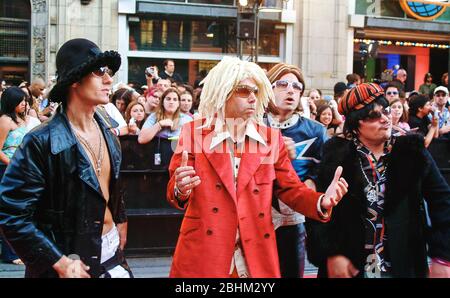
(50, 199)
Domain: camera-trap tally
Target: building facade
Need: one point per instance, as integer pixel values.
(31, 32)
(327, 39)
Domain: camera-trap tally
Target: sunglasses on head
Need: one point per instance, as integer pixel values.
(283, 84)
(392, 93)
(244, 91)
(101, 71)
(375, 115)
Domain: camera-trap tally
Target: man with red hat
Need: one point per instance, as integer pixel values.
(380, 228)
(57, 207)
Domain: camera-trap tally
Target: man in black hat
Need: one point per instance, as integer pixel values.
(56, 198)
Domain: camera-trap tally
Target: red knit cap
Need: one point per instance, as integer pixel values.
(358, 97)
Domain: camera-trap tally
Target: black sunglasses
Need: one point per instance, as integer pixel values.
(376, 115)
(101, 71)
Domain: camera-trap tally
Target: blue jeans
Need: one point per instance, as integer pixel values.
(8, 253)
(291, 250)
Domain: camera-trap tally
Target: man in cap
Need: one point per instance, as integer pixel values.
(380, 229)
(227, 229)
(56, 198)
(440, 101)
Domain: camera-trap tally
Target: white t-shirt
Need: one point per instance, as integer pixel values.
(32, 122)
(115, 114)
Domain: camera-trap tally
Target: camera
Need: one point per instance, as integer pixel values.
(150, 71)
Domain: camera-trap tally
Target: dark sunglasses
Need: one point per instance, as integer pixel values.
(392, 93)
(244, 91)
(101, 71)
(376, 115)
(283, 84)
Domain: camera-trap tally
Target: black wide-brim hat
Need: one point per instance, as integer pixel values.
(75, 59)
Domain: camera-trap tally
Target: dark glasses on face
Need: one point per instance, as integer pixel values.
(392, 93)
(283, 84)
(375, 115)
(244, 91)
(101, 71)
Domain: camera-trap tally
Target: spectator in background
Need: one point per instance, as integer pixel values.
(12, 130)
(33, 109)
(439, 106)
(45, 109)
(169, 72)
(151, 75)
(444, 80)
(419, 109)
(2, 87)
(399, 116)
(392, 93)
(427, 88)
(340, 90)
(122, 99)
(326, 115)
(353, 80)
(400, 80)
(110, 111)
(152, 100)
(186, 102)
(313, 96)
(135, 117)
(163, 84)
(166, 122)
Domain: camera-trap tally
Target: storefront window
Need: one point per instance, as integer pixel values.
(189, 69)
(215, 2)
(208, 36)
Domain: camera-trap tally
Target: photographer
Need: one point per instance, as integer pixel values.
(151, 76)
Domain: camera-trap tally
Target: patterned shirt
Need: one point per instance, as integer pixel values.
(374, 171)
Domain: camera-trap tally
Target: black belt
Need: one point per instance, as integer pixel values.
(117, 260)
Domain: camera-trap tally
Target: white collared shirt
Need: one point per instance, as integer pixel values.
(238, 259)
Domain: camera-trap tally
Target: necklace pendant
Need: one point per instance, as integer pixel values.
(372, 195)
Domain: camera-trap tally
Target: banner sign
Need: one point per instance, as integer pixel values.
(425, 10)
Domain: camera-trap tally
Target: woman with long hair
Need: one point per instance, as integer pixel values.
(135, 117)
(166, 122)
(186, 102)
(399, 118)
(12, 130)
(325, 116)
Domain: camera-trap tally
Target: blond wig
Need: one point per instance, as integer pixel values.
(221, 81)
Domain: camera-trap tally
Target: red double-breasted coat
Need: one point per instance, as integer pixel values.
(216, 209)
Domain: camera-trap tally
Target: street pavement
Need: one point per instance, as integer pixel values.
(141, 267)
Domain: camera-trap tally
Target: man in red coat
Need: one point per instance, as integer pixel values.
(223, 173)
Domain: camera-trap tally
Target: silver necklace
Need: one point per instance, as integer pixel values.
(372, 188)
(98, 160)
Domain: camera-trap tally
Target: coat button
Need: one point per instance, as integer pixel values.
(209, 232)
(218, 186)
(215, 210)
(261, 215)
(256, 191)
(266, 235)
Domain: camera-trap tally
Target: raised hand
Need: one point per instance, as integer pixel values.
(290, 147)
(335, 191)
(340, 267)
(183, 176)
